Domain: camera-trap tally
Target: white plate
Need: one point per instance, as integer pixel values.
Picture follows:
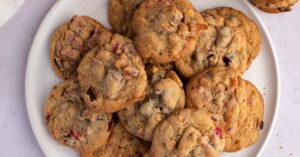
(40, 77)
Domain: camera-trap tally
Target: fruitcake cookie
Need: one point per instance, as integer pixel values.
(121, 14)
(187, 132)
(112, 75)
(214, 91)
(70, 123)
(231, 39)
(70, 42)
(164, 95)
(274, 6)
(250, 120)
(166, 30)
(230, 102)
(120, 144)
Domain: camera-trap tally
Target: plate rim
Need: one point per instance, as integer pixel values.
(29, 61)
(277, 70)
(250, 7)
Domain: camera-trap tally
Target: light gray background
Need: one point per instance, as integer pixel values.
(16, 136)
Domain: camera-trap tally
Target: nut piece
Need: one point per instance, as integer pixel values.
(114, 82)
(131, 71)
(167, 20)
(147, 108)
(170, 93)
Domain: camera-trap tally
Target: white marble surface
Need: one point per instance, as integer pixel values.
(17, 139)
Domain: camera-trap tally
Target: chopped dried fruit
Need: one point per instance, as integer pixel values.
(250, 101)
(73, 54)
(75, 134)
(115, 48)
(219, 132)
(233, 82)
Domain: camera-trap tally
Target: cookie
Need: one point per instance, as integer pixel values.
(235, 108)
(187, 132)
(250, 120)
(120, 15)
(112, 75)
(231, 40)
(120, 144)
(71, 123)
(166, 30)
(164, 95)
(70, 42)
(274, 6)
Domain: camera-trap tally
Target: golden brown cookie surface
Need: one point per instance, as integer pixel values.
(166, 30)
(231, 102)
(231, 39)
(71, 123)
(274, 6)
(121, 14)
(120, 144)
(70, 42)
(250, 120)
(112, 75)
(187, 132)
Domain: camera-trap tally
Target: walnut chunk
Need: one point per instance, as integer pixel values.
(73, 54)
(114, 83)
(147, 108)
(170, 92)
(168, 19)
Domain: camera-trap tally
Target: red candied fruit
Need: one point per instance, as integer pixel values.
(75, 134)
(219, 132)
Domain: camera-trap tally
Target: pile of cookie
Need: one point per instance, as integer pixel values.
(165, 81)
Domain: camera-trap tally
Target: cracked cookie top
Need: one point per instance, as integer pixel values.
(166, 30)
(70, 42)
(187, 132)
(71, 123)
(112, 75)
(120, 144)
(235, 105)
(231, 40)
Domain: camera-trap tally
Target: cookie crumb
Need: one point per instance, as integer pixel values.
(280, 147)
